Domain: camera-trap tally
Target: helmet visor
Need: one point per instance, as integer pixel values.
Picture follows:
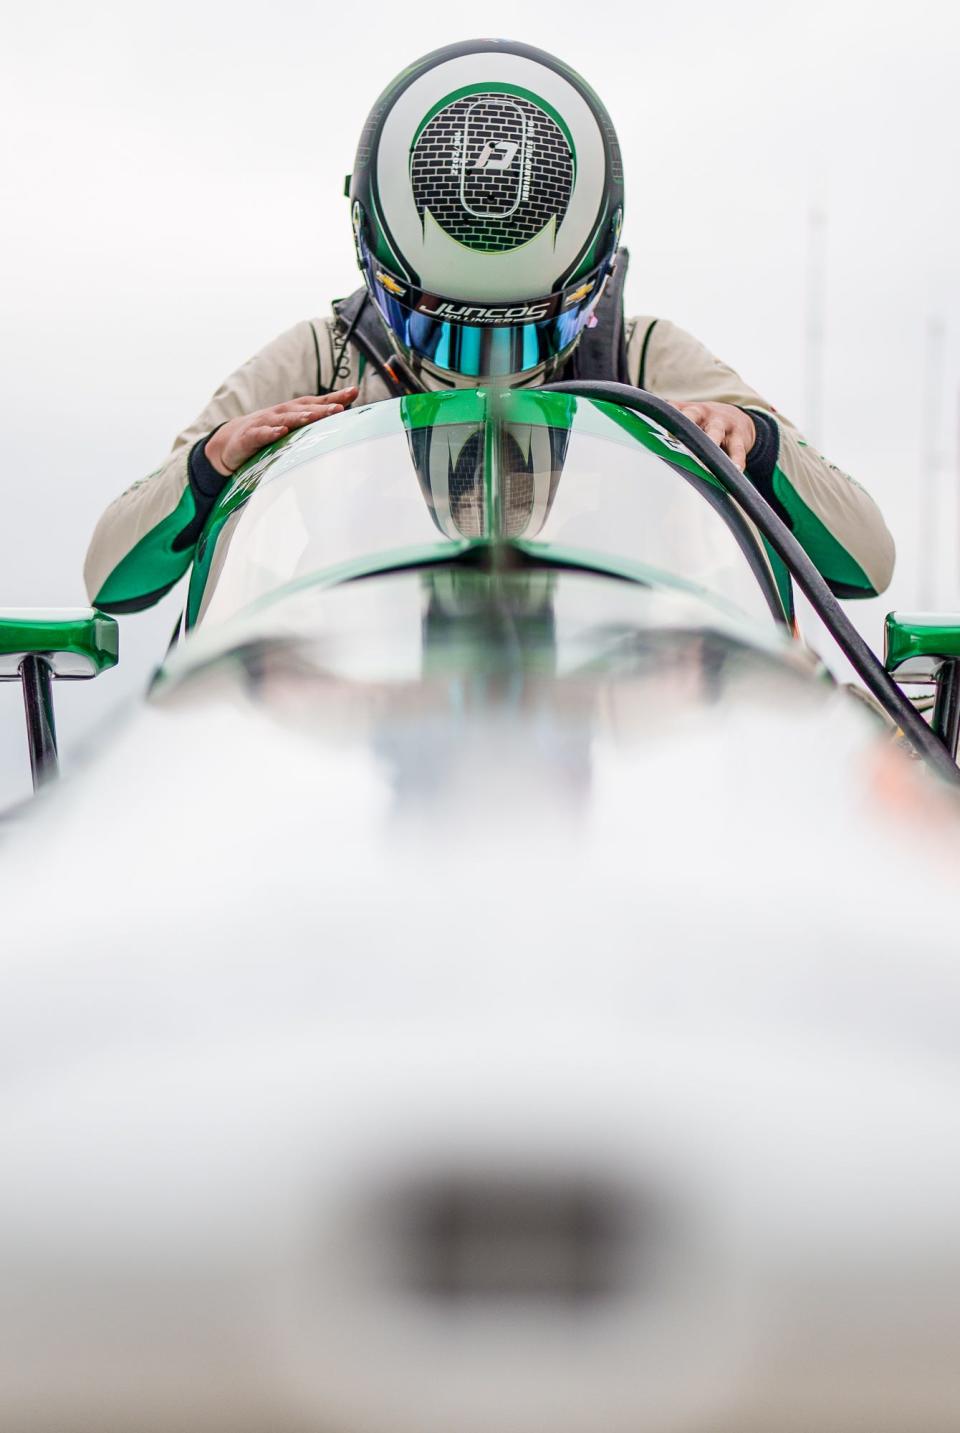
(481, 340)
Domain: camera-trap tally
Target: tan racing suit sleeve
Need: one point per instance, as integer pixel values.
(144, 542)
(834, 519)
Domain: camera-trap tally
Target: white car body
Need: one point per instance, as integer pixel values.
(386, 1053)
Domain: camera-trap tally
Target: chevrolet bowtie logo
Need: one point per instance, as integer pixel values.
(391, 285)
(577, 295)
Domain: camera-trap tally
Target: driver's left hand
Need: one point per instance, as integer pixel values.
(729, 427)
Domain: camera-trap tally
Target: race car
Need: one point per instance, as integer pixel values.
(498, 981)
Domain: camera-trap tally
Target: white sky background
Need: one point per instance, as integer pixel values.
(171, 191)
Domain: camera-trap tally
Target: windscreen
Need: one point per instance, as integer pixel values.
(377, 487)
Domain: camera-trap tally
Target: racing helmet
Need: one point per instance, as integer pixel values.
(487, 199)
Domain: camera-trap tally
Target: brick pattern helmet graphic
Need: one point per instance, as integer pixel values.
(493, 170)
(487, 197)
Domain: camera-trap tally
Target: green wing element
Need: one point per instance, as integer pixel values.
(76, 642)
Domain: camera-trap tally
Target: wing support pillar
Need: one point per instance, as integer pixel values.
(946, 710)
(36, 679)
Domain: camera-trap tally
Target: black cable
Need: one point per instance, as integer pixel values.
(860, 656)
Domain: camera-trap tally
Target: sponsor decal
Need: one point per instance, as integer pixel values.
(578, 294)
(481, 314)
(390, 284)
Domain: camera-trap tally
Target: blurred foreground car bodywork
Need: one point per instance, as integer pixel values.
(497, 983)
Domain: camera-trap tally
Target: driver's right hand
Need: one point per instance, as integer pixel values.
(238, 439)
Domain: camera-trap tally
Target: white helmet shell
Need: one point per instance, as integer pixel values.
(487, 193)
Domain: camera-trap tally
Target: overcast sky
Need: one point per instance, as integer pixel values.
(172, 198)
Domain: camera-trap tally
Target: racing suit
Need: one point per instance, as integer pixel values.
(145, 540)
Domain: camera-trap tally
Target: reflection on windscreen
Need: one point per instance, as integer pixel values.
(318, 510)
(471, 494)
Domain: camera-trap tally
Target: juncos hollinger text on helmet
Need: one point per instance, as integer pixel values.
(487, 198)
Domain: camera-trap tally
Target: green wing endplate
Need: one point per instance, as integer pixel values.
(917, 643)
(78, 641)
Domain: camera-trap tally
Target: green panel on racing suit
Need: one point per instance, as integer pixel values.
(155, 564)
(845, 576)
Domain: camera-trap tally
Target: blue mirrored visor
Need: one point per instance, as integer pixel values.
(480, 340)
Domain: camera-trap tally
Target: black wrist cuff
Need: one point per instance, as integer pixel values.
(206, 482)
(762, 457)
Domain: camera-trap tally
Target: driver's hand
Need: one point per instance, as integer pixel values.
(729, 427)
(230, 446)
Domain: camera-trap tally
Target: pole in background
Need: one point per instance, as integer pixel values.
(815, 322)
(928, 488)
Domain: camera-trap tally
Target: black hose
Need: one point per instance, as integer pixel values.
(860, 656)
